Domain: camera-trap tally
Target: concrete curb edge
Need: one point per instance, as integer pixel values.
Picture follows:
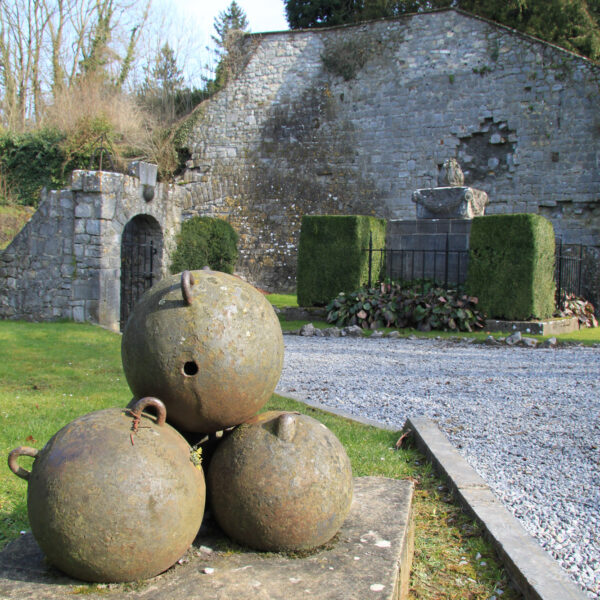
(536, 574)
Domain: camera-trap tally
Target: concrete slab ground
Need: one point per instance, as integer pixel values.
(369, 558)
(535, 573)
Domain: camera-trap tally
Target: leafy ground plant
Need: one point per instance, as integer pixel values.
(574, 306)
(52, 373)
(396, 305)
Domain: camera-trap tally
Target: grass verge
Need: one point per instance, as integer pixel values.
(52, 373)
(283, 300)
(588, 336)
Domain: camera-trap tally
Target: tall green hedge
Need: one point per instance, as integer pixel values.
(332, 257)
(205, 241)
(511, 266)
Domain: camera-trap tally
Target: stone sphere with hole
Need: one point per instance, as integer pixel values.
(281, 482)
(213, 354)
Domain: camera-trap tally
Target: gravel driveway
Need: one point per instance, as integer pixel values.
(527, 420)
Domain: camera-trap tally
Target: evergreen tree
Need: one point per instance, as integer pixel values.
(164, 80)
(232, 19)
(229, 25)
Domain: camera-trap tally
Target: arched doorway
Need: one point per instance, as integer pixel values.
(141, 255)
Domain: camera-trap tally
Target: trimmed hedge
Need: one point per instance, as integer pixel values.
(205, 241)
(511, 266)
(332, 257)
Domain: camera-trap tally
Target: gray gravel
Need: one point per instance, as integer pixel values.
(527, 420)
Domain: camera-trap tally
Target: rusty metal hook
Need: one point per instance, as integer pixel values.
(13, 457)
(187, 281)
(142, 403)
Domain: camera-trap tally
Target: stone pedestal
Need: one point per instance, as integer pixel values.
(428, 249)
(370, 557)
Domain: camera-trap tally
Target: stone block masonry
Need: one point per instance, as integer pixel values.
(66, 262)
(348, 120)
(352, 120)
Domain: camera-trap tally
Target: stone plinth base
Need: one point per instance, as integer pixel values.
(548, 327)
(428, 249)
(369, 558)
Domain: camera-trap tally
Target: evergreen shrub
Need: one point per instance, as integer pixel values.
(511, 266)
(332, 256)
(205, 241)
(32, 161)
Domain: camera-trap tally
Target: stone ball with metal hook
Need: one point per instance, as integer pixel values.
(208, 344)
(115, 495)
(281, 482)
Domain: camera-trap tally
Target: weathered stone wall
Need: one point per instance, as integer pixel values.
(352, 120)
(66, 262)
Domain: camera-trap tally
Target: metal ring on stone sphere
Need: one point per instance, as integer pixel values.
(187, 281)
(14, 455)
(142, 403)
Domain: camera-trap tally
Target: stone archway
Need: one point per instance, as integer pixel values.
(141, 258)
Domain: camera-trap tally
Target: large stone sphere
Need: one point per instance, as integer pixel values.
(282, 482)
(208, 345)
(112, 497)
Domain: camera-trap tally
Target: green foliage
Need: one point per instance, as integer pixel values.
(227, 20)
(332, 256)
(164, 79)
(346, 57)
(229, 27)
(396, 305)
(511, 266)
(572, 24)
(32, 161)
(303, 14)
(205, 241)
(573, 306)
(92, 144)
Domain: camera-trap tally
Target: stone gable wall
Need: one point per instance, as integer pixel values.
(348, 120)
(352, 120)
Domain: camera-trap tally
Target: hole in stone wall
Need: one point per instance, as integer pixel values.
(486, 152)
(190, 368)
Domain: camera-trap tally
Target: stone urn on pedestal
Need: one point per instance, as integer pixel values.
(451, 199)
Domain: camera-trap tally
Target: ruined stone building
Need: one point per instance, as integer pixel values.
(348, 120)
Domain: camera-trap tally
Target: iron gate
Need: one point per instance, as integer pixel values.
(137, 268)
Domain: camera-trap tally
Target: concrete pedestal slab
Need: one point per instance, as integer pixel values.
(370, 557)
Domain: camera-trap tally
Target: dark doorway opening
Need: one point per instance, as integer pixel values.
(141, 254)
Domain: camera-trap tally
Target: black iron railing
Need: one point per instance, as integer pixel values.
(568, 269)
(445, 266)
(449, 267)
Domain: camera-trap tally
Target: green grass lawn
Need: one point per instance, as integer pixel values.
(52, 373)
(283, 300)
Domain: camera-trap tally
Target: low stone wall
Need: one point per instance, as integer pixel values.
(66, 262)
